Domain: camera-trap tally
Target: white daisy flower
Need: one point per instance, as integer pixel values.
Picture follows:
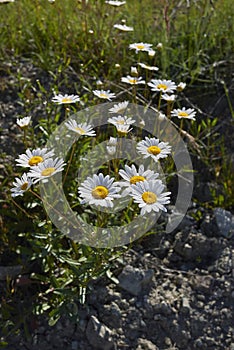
(149, 196)
(65, 99)
(145, 66)
(23, 122)
(151, 53)
(106, 95)
(111, 145)
(132, 80)
(82, 129)
(99, 82)
(159, 46)
(115, 3)
(162, 116)
(99, 190)
(123, 129)
(181, 86)
(121, 120)
(184, 113)
(21, 185)
(46, 169)
(123, 27)
(167, 97)
(152, 147)
(140, 47)
(34, 157)
(162, 85)
(131, 176)
(134, 71)
(119, 107)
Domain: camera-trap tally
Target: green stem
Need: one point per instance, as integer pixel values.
(23, 210)
(25, 137)
(51, 206)
(228, 99)
(181, 123)
(159, 100)
(169, 108)
(69, 162)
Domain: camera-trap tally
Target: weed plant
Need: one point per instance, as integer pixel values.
(77, 47)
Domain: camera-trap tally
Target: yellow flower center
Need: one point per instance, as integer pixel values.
(48, 171)
(133, 81)
(24, 186)
(154, 150)
(183, 114)
(35, 160)
(149, 197)
(162, 86)
(122, 133)
(103, 95)
(100, 192)
(80, 131)
(121, 122)
(66, 100)
(136, 178)
(140, 46)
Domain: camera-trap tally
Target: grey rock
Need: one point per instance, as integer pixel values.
(167, 341)
(187, 222)
(99, 335)
(134, 280)
(218, 223)
(224, 263)
(225, 222)
(179, 336)
(185, 306)
(193, 245)
(74, 345)
(144, 344)
(198, 343)
(208, 225)
(111, 315)
(202, 284)
(162, 249)
(163, 308)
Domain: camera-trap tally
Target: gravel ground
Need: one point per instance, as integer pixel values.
(174, 291)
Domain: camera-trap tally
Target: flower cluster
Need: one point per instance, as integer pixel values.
(166, 88)
(41, 166)
(142, 185)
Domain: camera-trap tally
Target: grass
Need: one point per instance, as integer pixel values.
(193, 36)
(73, 45)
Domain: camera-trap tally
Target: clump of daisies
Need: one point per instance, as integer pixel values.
(143, 186)
(41, 165)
